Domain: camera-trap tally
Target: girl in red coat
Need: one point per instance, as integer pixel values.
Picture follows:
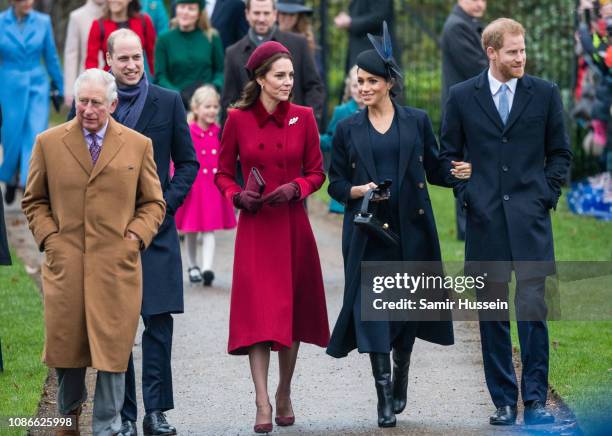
(277, 296)
(121, 14)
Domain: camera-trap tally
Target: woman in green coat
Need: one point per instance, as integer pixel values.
(190, 54)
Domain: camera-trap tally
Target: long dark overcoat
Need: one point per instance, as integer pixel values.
(517, 172)
(163, 120)
(353, 164)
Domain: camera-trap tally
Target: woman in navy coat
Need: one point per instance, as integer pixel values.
(26, 39)
(386, 141)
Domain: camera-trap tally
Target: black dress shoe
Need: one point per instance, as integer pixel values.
(208, 277)
(536, 413)
(128, 428)
(504, 415)
(9, 195)
(155, 424)
(401, 364)
(381, 369)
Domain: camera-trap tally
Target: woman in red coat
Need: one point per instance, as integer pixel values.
(121, 14)
(277, 291)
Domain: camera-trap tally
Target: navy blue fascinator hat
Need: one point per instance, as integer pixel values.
(380, 60)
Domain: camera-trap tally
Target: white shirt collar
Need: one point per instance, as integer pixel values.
(496, 84)
(100, 134)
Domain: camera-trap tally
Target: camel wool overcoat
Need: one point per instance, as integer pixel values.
(80, 214)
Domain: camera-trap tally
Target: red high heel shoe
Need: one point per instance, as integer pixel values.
(284, 421)
(265, 427)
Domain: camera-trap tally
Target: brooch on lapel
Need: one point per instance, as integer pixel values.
(293, 120)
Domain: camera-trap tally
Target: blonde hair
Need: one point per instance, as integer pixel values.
(203, 24)
(200, 96)
(347, 83)
(493, 34)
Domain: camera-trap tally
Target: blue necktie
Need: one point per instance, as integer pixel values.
(504, 109)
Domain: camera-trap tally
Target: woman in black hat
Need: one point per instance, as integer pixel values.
(295, 17)
(386, 142)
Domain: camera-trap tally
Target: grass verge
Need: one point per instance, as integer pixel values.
(21, 330)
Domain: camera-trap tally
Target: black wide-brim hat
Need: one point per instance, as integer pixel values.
(293, 7)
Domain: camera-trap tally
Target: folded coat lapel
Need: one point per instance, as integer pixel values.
(149, 109)
(521, 100)
(361, 139)
(110, 146)
(485, 101)
(407, 130)
(76, 144)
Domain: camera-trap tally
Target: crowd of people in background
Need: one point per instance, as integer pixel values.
(212, 93)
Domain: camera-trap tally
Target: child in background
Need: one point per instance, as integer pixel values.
(205, 209)
(351, 103)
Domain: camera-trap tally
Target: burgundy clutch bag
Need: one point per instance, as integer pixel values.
(255, 181)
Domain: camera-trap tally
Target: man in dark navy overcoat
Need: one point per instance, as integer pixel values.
(157, 113)
(511, 124)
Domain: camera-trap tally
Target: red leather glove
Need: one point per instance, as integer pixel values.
(248, 200)
(283, 194)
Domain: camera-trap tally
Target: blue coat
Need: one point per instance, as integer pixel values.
(229, 20)
(163, 120)
(517, 172)
(353, 164)
(24, 89)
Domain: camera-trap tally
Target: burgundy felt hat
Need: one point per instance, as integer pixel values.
(262, 53)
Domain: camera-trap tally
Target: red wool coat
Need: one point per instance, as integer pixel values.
(277, 289)
(141, 24)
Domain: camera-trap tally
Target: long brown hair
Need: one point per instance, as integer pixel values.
(303, 27)
(133, 10)
(252, 90)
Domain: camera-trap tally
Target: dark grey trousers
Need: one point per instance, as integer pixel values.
(108, 397)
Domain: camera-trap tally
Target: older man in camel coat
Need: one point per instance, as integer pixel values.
(93, 202)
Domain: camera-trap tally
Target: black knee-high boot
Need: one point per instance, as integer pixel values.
(401, 364)
(381, 369)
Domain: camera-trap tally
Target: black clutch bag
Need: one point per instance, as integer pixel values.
(366, 218)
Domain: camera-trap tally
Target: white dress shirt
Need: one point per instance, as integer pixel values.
(495, 86)
(210, 7)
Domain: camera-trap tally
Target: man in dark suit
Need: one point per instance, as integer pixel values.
(308, 89)
(511, 125)
(462, 59)
(228, 18)
(158, 114)
(364, 16)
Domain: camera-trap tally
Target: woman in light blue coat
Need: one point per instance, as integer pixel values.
(27, 58)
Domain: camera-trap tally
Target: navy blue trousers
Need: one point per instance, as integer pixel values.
(533, 338)
(156, 369)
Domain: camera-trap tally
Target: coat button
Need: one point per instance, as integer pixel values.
(505, 168)
(506, 197)
(214, 151)
(421, 185)
(353, 164)
(261, 146)
(279, 145)
(504, 140)
(421, 211)
(205, 171)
